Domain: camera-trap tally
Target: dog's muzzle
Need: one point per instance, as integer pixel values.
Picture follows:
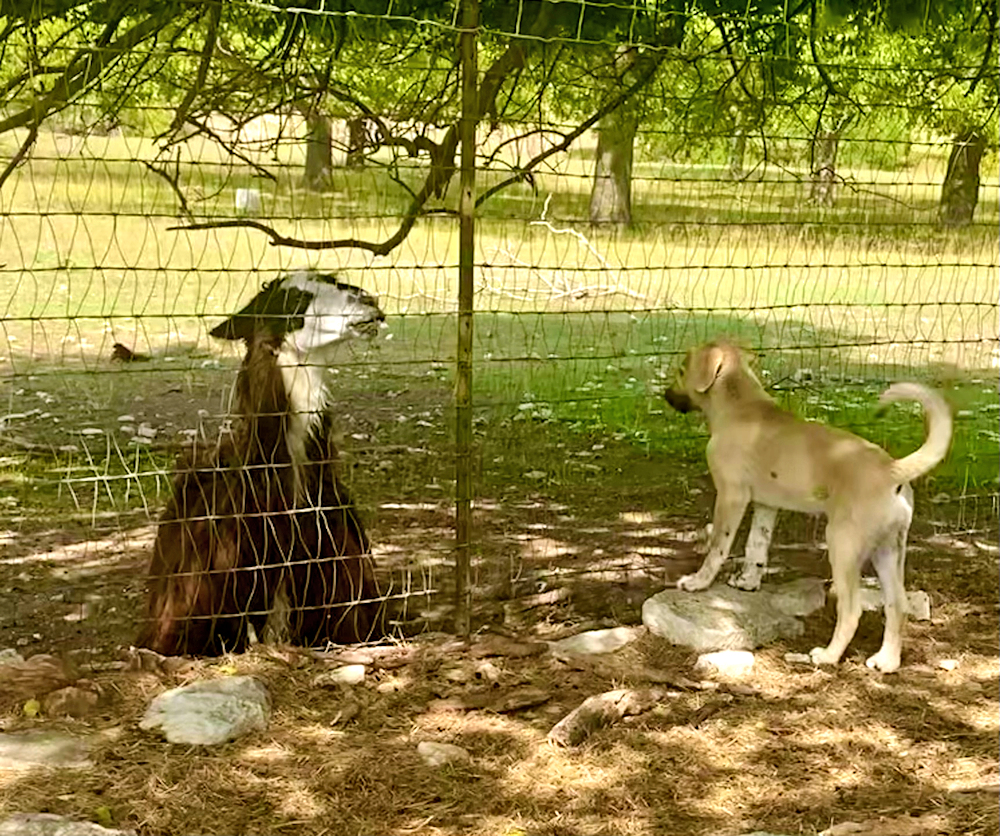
(678, 400)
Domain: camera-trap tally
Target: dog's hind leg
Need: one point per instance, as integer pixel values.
(889, 561)
(758, 542)
(729, 509)
(847, 550)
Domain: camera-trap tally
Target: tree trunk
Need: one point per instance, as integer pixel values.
(960, 192)
(319, 152)
(737, 153)
(357, 141)
(824, 168)
(611, 198)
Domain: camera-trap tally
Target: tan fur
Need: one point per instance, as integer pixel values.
(761, 454)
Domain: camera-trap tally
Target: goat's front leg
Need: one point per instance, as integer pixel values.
(730, 505)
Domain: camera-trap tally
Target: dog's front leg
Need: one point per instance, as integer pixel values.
(729, 509)
(758, 542)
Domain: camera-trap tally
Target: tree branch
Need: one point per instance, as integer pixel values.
(215, 13)
(650, 68)
(86, 67)
(22, 152)
(173, 181)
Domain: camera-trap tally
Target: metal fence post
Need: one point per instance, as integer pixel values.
(463, 376)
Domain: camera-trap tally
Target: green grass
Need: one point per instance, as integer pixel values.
(574, 335)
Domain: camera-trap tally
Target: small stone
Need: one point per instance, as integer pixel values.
(948, 664)
(488, 672)
(457, 673)
(798, 659)
(919, 603)
(440, 754)
(727, 663)
(78, 700)
(344, 675)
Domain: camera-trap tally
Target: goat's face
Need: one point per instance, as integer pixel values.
(306, 311)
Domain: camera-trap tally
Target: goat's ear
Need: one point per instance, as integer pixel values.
(235, 328)
(275, 311)
(706, 366)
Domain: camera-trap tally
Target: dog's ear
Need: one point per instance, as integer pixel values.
(706, 367)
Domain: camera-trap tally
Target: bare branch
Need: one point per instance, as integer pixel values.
(173, 181)
(22, 152)
(215, 12)
(649, 69)
(207, 131)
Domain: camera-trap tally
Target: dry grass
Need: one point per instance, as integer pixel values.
(808, 749)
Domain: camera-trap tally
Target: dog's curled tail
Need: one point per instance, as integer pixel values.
(935, 447)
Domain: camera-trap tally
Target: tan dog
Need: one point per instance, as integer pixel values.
(761, 454)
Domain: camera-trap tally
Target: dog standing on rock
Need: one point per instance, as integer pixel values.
(762, 454)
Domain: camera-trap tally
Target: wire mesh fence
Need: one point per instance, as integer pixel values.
(646, 178)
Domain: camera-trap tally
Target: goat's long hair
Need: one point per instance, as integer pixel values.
(250, 533)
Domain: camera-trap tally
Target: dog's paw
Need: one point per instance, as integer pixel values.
(884, 661)
(750, 583)
(693, 583)
(823, 656)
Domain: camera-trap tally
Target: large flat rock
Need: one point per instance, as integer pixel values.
(724, 618)
(48, 824)
(210, 712)
(43, 748)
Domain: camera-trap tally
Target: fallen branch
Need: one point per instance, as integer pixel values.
(600, 711)
(505, 703)
(384, 657)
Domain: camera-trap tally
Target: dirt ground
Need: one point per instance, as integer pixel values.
(792, 750)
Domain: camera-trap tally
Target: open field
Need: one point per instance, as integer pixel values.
(586, 485)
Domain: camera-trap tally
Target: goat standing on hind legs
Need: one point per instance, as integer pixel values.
(260, 537)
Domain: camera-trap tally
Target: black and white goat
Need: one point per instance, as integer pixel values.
(259, 532)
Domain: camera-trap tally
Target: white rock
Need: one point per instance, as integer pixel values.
(210, 712)
(724, 618)
(32, 749)
(488, 672)
(9, 656)
(948, 664)
(918, 602)
(49, 824)
(730, 663)
(439, 754)
(597, 641)
(344, 675)
(798, 658)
